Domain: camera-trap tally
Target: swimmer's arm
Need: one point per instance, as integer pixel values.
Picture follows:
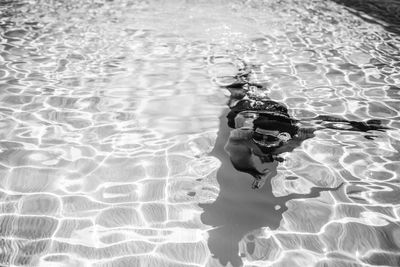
(305, 133)
(330, 122)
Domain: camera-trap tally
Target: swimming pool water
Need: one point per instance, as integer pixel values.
(112, 123)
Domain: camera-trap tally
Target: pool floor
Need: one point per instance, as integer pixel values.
(114, 136)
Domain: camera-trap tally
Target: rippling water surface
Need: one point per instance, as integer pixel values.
(109, 111)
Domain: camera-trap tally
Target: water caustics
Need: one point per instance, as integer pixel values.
(116, 149)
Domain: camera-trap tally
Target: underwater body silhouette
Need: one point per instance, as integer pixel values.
(254, 131)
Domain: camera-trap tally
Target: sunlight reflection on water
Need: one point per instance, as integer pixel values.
(109, 111)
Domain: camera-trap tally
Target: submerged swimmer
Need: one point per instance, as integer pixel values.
(263, 129)
(254, 133)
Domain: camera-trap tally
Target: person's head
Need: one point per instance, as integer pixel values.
(265, 108)
(269, 132)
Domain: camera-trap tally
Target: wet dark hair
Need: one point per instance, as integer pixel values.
(265, 108)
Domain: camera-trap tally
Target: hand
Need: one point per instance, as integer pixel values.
(257, 183)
